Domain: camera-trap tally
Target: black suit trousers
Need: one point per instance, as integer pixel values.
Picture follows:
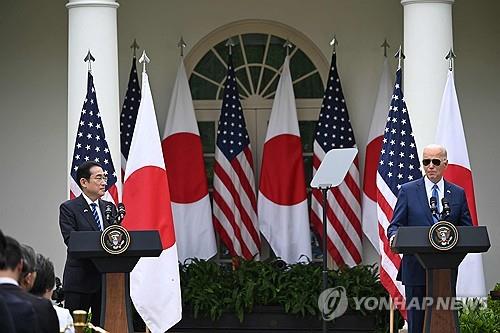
(83, 301)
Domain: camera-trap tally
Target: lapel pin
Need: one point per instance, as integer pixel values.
(448, 191)
(85, 210)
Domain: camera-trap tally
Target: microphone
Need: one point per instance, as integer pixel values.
(446, 208)
(108, 212)
(121, 212)
(433, 202)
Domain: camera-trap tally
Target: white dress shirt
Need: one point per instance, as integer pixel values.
(428, 189)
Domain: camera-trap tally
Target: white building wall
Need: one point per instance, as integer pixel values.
(33, 88)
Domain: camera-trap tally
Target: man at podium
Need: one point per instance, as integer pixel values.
(81, 280)
(420, 203)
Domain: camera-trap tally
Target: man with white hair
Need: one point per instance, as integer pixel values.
(413, 209)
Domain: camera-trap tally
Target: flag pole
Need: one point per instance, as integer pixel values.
(229, 44)
(324, 190)
(182, 44)
(451, 57)
(386, 46)
(400, 56)
(89, 58)
(144, 60)
(288, 46)
(134, 47)
(334, 42)
(391, 315)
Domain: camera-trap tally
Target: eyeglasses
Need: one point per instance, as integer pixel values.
(101, 179)
(435, 161)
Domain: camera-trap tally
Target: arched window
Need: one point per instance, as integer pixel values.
(258, 56)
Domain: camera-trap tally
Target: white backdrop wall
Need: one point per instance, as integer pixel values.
(33, 88)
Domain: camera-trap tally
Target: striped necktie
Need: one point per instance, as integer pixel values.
(93, 206)
(435, 194)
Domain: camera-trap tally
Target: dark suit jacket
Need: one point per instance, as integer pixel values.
(80, 275)
(6, 321)
(412, 209)
(46, 316)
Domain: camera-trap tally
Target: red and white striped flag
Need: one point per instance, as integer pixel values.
(450, 134)
(91, 145)
(398, 164)
(334, 131)
(194, 231)
(372, 155)
(154, 282)
(282, 203)
(235, 207)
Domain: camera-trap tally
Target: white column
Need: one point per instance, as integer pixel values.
(428, 36)
(92, 26)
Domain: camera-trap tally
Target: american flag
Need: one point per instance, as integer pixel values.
(129, 113)
(398, 164)
(91, 145)
(334, 131)
(235, 206)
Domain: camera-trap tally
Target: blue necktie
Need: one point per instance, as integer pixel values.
(435, 194)
(93, 206)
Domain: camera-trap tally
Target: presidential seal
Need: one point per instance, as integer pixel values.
(443, 236)
(115, 239)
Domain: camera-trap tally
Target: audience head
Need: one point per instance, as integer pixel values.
(45, 277)
(28, 273)
(3, 244)
(11, 263)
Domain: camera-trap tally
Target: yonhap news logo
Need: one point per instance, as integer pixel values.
(332, 303)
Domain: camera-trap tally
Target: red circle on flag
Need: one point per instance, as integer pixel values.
(185, 167)
(282, 172)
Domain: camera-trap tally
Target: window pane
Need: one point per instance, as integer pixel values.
(241, 74)
(306, 129)
(201, 88)
(311, 87)
(209, 168)
(255, 73)
(308, 169)
(272, 87)
(207, 135)
(276, 54)
(254, 47)
(266, 77)
(300, 65)
(211, 67)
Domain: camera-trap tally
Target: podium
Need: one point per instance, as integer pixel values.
(441, 270)
(115, 310)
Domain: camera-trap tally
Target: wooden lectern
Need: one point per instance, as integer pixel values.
(116, 310)
(441, 269)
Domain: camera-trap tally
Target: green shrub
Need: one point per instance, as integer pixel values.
(479, 320)
(210, 289)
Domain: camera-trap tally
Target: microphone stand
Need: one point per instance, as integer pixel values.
(324, 190)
